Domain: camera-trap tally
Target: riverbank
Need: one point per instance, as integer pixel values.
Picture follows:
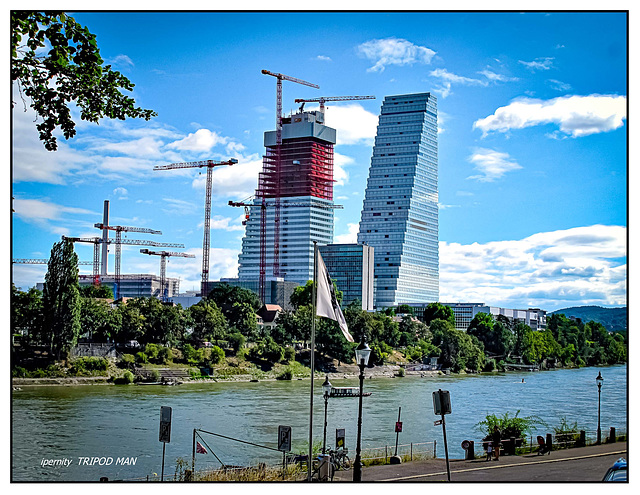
(345, 372)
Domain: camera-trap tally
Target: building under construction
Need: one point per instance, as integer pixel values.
(303, 187)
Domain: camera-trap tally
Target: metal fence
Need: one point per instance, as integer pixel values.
(409, 451)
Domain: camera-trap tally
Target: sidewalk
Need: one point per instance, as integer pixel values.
(572, 465)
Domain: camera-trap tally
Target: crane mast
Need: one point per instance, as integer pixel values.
(322, 99)
(263, 222)
(210, 165)
(163, 267)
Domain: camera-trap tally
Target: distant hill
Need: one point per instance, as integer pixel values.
(611, 318)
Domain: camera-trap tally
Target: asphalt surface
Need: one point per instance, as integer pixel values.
(586, 464)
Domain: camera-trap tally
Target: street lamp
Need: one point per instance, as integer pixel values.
(362, 358)
(599, 381)
(326, 388)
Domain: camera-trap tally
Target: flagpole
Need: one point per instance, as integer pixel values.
(193, 454)
(313, 346)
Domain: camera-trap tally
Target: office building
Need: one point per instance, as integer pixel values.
(400, 210)
(350, 266)
(304, 188)
(276, 292)
(142, 285)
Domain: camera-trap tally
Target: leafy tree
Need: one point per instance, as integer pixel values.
(99, 292)
(404, 309)
(412, 330)
(437, 311)
(331, 341)
(71, 71)
(226, 295)
(243, 317)
(99, 322)
(459, 351)
(303, 294)
(61, 300)
(132, 322)
(209, 324)
(26, 311)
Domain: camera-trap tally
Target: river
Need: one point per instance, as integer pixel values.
(69, 422)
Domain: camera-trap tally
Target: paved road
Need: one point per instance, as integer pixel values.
(571, 465)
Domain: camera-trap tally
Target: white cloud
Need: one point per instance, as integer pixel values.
(559, 85)
(550, 270)
(340, 175)
(575, 115)
(449, 78)
(540, 63)
(492, 76)
(394, 51)
(200, 141)
(353, 124)
(121, 61)
(324, 58)
(181, 207)
(237, 181)
(491, 164)
(121, 193)
(49, 216)
(351, 237)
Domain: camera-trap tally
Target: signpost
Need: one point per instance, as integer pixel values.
(165, 432)
(442, 406)
(340, 438)
(284, 445)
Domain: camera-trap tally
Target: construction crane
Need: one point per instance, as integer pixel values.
(322, 99)
(119, 229)
(210, 165)
(263, 248)
(42, 261)
(97, 241)
(163, 267)
(276, 219)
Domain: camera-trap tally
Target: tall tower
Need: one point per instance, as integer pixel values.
(400, 210)
(306, 177)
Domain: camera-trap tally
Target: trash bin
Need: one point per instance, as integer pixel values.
(324, 467)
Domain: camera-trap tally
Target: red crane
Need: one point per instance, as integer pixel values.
(322, 99)
(263, 217)
(210, 165)
(97, 241)
(163, 267)
(42, 261)
(263, 249)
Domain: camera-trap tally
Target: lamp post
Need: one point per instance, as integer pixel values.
(599, 381)
(362, 358)
(326, 388)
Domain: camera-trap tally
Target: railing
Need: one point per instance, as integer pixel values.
(409, 451)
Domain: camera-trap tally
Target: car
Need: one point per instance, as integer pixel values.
(617, 472)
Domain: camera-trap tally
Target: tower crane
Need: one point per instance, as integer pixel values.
(97, 241)
(322, 99)
(210, 165)
(276, 221)
(119, 229)
(263, 251)
(41, 261)
(163, 266)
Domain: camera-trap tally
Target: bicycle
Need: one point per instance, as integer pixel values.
(340, 459)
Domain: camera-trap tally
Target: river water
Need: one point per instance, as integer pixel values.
(70, 422)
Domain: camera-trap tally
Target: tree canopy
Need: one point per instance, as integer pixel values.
(56, 63)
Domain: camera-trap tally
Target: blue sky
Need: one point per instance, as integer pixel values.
(532, 141)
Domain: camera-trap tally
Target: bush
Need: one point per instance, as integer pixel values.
(501, 428)
(287, 374)
(141, 358)
(125, 379)
(127, 361)
(490, 365)
(289, 354)
(85, 366)
(153, 376)
(151, 350)
(236, 341)
(164, 355)
(217, 355)
(401, 372)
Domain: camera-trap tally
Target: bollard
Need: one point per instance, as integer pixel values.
(549, 443)
(470, 453)
(612, 435)
(512, 446)
(412, 451)
(324, 468)
(583, 439)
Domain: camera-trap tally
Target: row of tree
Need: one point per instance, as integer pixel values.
(64, 312)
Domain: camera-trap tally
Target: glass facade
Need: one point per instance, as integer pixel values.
(400, 211)
(350, 266)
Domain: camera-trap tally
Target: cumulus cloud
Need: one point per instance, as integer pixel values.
(540, 63)
(49, 216)
(550, 270)
(121, 193)
(393, 51)
(491, 164)
(575, 115)
(237, 181)
(351, 237)
(340, 175)
(324, 58)
(200, 141)
(353, 124)
(449, 78)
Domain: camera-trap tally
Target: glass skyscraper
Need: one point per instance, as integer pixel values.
(400, 210)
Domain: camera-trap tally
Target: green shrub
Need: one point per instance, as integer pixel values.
(153, 376)
(289, 354)
(151, 350)
(490, 365)
(236, 341)
(83, 366)
(189, 352)
(127, 361)
(141, 358)
(401, 372)
(216, 355)
(164, 355)
(287, 374)
(125, 379)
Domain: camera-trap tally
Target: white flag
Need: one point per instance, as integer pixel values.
(326, 302)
